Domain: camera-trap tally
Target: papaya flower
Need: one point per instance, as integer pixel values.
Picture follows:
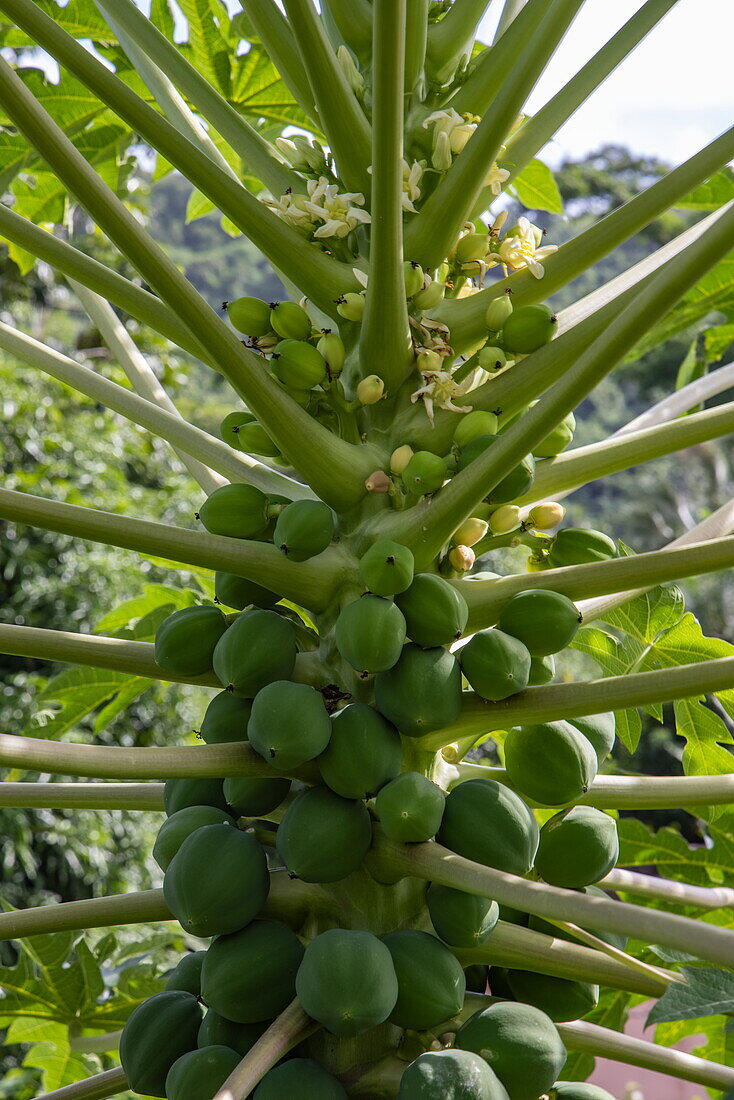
(440, 390)
(494, 179)
(289, 207)
(340, 212)
(520, 249)
(458, 128)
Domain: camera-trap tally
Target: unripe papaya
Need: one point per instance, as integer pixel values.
(250, 975)
(386, 568)
(600, 730)
(427, 361)
(216, 1030)
(492, 358)
(435, 611)
(301, 1077)
(477, 977)
(185, 641)
(237, 511)
(323, 837)
(422, 692)
(370, 390)
(363, 754)
(157, 1032)
(239, 593)
(350, 306)
(542, 671)
(577, 847)
(187, 974)
(400, 458)
(178, 793)
(331, 346)
(258, 648)
(495, 664)
(578, 546)
(425, 473)
(472, 246)
(225, 719)
(544, 621)
(253, 439)
(529, 328)
(370, 633)
(250, 315)
(413, 277)
(199, 1074)
(558, 439)
(217, 882)
(504, 519)
(578, 1090)
(232, 424)
(498, 311)
(298, 365)
(304, 529)
(514, 484)
(520, 1043)
(461, 919)
(410, 808)
(450, 1075)
(289, 724)
(560, 998)
(471, 531)
(176, 828)
(250, 797)
(431, 982)
(488, 823)
(290, 321)
(431, 294)
(551, 763)
(347, 982)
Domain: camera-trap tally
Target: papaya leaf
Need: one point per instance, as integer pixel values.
(208, 46)
(259, 93)
(536, 188)
(154, 596)
(718, 340)
(712, 194)
(707, 991)
(79, 18)
(77, 692)
(673, 858)
(695, 365)
(59, 1065)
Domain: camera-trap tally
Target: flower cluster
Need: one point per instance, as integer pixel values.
(522, 247)
(338, 212)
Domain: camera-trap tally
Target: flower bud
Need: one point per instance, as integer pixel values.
(471, 247)
(431, 294)
(546, 516)
(471, 532)
(498, 310)
(441, 157)
(355, 80)
(505, 519)
(413, 276)
(267, 343)
(492, 358)
(370, 390)
(350, 306)
(428, 360)
(462, 558)
(400, 458)
(332, 348)
(378, 482)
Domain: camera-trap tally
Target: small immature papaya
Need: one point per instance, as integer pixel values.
(298, 365)
(488, 823)
(332, 348)
(250, 315)
(514, 484)
(560, 998)
(290, 321)
(410, 808)
(231, 425)
(225, 719)
(238, 511)
(600, 730)
(422, 692)
(323, 837)
(289, 724)
(492, 358)
(544, 621)
(551, 762)
(579, 546)
(176, 828)
(258, 648)
(187, 974)
(386, 568)
(250, 975)
(498, 312)
(542, 671)
(363, 754)
(425, 473)
(239, 593)
(577, 847)
(178, 793)
(157, 1032)
(370, 633)
(199, 1074)
(450, 1075)
(435, 611)
(495, 664)
(529, 328)
(578, 1090)
(217, 882)
(216, 1030)
(556, 440)
(347, 981)
(304, 529)
(251, 797)
(461, 919)
(472, 425)
(185, 641)
(520, 1043)
(301, 1077)
(251, 438)
(431, 982)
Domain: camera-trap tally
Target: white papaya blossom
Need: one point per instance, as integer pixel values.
(291, 208)
(458, 128)
(494, 179)
(440, 390)
(522, 249)
(412, 176)
(340, 212)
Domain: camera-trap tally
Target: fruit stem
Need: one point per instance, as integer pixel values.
(614, 952)
(290, 1029)
(112, 1082)
(141, 907)
(83, 796)
(665, 889)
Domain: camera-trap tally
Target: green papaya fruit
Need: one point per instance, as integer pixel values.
(251, 797)
(472, 425)
(250, 975)
(520, 1043)
(600, 730)
(498, 311)
(158, 1032)
(495, 664)
(529, 328)
(461, 919)
(487, 822)
(431, 982)
(290, 321)
(298, 365)
(422, 692)
(217, 882)
(187, 974)
(199, 1074)
(370, 633)
(425, 473)
(347, 981)
(239, 593)
(176, 828)
(250, 315)
(334, 352)
(413, 278)
(178, 793)
(578, 1090)
(225, 719)
(542, 671)
(544, 621)
(558, 439)
(560, 998)
(477, 977)
(551, 762)
(257, 648)
(289, 724)
(386, 568)
(232, 424)
(301, 1077)
(492, 357)
(450, 1075)
(435, 611)
(238, 511)
(304, 529)
(323, 837)
(216, 1030)
(579, 546)
(251, 438)
(577, 847)
(363, 754)
(514, 484)
(410, 808)
(186, 640)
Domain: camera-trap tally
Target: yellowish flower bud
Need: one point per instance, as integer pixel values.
(378, 482)
(441, 158)
(546, 516)
(505, 519)
(471, 532)
(400, 458)
(462, 558)
(370, 390)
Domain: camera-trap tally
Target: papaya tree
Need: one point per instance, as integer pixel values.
(377, 913)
